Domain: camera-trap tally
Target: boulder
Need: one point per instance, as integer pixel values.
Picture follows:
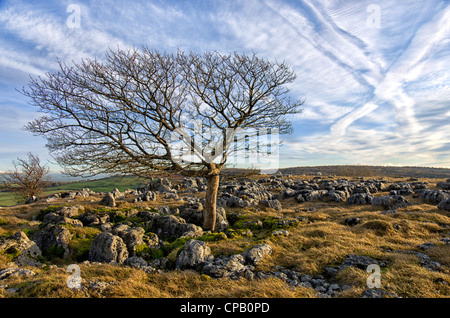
(221, 220)
(433, 196)
(145, 196)
(116, 193)
(193, 213)
(334, 196)
(400, 189)
(236, 202)
(31, 199)
(54, 218)
(444, 185)
(390, 202)
(15, 272)
(109, 200)
(257, 253)
(194, 253)
(232, 266)
(358, 261)
(107, 248)
(92, 219)
(70, 211)
(131, 236)
(359, 198)
(352, 221)
(54, 240)
(135, 261)
(273, 204)
(170, 226)
(444, 205)
(24, 251)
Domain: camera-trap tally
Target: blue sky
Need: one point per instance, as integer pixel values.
(375, 74)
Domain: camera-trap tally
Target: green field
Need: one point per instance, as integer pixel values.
(100, 185)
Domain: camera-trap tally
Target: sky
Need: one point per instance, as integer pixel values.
(375, 75)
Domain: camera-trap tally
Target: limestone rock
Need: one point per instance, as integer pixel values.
(26, 251)
(109, 200)
(107, 248)
(193, 254)
(444, 205)
(273, 204)
(256, 254)
(391, 202)
(53, 239)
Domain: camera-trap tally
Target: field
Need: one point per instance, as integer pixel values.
(100, 185)
(318, 244)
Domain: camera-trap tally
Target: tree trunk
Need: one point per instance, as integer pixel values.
(209, 214)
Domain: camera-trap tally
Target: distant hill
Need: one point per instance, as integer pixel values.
(370, 171)
(356, 171)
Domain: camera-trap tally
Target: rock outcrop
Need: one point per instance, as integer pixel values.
(107, 248)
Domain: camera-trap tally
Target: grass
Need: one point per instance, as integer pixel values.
(321, 239)
(100, 185)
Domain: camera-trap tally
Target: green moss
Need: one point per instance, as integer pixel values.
(213, 237)
(141, 250)
(80, 249)
(12, 253)
(274, 223)
(118, 218)
(55, 250)
(3, 221)
(47, 210)
(156, 253)
(81, 242)
(179, 242)
(245, 222)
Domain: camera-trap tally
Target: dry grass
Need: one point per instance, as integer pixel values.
(324, 240)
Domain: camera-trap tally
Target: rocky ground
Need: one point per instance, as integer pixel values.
(285, 236)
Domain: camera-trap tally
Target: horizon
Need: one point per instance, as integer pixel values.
(374, 76)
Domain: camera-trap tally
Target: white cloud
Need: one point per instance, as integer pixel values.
(50, 38)
(373, 94)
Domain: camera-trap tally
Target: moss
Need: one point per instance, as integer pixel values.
(81, 242)
(179, 242)
(29, 232)
(238, 233)
(213, 237)
(118, 218)
(47, 210)
(55, 251)
(3, 221)
(136, 220)
(80, 249)
(12, 253)
(141, 250)
(274, 223)
(149, 253)
(245, 222)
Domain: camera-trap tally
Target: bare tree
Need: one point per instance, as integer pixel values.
(29, 178)
(127, 113)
